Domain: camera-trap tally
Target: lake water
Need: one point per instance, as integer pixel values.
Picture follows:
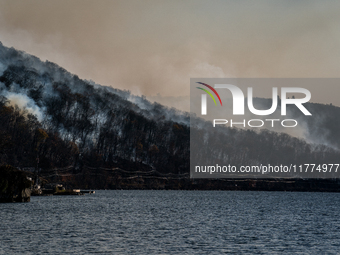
(173, 222)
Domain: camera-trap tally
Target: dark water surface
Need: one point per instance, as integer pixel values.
(173, 222)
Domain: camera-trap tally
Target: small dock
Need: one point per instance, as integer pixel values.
(59, 190)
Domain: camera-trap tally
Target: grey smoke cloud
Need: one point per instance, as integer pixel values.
(152, 47)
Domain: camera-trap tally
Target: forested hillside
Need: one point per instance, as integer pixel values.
(97, 126)
(51, 119)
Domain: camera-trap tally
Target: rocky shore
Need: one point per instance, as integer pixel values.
(17, 185)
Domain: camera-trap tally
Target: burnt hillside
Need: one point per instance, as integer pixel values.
(52, 119)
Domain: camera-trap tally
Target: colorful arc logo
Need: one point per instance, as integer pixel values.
(208, 92)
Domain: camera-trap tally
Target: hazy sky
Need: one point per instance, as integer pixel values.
(155, 46)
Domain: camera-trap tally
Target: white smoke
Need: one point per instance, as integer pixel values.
(24, 103)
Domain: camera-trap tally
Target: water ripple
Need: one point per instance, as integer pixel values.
(173, 222)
